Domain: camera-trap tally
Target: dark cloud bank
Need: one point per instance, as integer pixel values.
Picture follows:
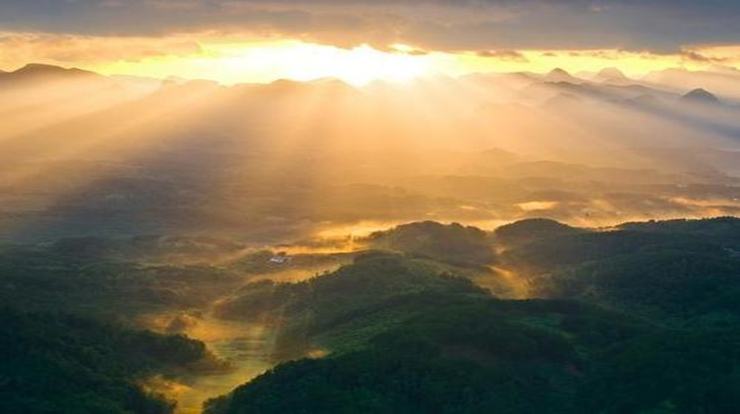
(655, 25)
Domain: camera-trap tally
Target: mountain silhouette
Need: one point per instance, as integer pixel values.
(39, 69)
(700, 96)
(560, 75)
(611, 75)
(37, 72)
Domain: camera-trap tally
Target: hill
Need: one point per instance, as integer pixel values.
(314, 307)
(478, 356)
(526, 231)
(638, 301)
(453, 242)
(36, 74)
(66, 364)
(700, 96)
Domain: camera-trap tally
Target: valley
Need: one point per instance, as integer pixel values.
(322, 207)
(259, 312)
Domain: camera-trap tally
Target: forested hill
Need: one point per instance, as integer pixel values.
(68, 364)
(637, 319)
(535, 316)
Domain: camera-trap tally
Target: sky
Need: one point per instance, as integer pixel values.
(362, 40)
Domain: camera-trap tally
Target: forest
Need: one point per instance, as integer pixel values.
(369, 207)
(533, 316)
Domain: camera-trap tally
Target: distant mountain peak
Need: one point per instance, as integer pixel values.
(560, 75)
(38, 66)
(611, 74)
(41, 69)
(559, 71)
(700, 95)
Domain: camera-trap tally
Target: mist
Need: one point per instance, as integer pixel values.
(260, 219)
(269, 162)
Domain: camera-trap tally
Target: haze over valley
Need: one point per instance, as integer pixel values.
(84, 153)
(253, 206)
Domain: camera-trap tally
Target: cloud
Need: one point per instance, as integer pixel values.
(442, 25)
(508, 55)
(695, 56)
(20, 48)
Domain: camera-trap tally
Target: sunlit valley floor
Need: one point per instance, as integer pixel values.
(295, 247)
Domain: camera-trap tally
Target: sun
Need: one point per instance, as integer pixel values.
(231, 63)
(361, 65)
(306, 61)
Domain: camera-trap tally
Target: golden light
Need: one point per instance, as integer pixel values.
(231, 63)
(235, 58)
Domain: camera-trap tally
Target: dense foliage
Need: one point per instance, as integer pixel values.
(338, 297)
(479, 356)
(57, 278)
(676, 371)
(683, 286)
(67, 364)
(660, 334)
(453, 242)
(525, 231)
(641, 318)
